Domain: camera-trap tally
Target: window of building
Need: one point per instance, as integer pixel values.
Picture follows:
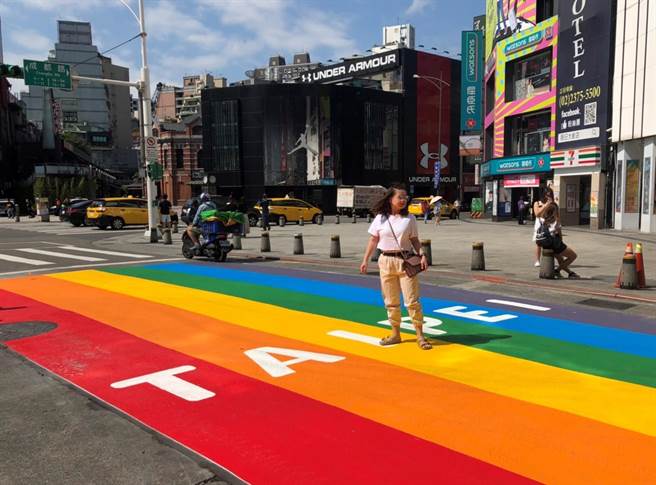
(528, 133)
(165, 158)
(489, 95)
(528, 76)
(381, 136)
(179, 157)
(224, 136)
(545, 9)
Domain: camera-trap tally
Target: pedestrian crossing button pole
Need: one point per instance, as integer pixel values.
(298, 244)
(478, 257)
(335, 250)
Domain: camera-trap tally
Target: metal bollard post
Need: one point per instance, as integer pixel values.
(547, 264)
(300, 221)
(166, 233)
(355, 218)
(17, 216)
(368, 218)
(335, 250)
(376, 255)
(629, 277)
(265, 243)
(298, 244)
(320, 219)
(175, 227)
(427, 250)
(337, 219)
(478, 257)
(236, 241)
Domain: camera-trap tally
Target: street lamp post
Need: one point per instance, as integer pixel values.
(434, 81)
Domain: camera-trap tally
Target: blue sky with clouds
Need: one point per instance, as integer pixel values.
(227, 37)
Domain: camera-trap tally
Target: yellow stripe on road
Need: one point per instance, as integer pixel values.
(622, 404)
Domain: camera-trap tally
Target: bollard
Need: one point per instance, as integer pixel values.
(175, 227)
(298, 244)
(337, 219)
(300, 221)
(236, 241)
(282, 221)
(166, 233)
(427, 250)
(355, 218)
(368, 218)
(335, 250)
(376, 255)
(265, 243)
(320, 219)
(547, 264)
(629, 275)
(478, 257)
(17, 216)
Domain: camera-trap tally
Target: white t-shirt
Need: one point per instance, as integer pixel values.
(404, 228)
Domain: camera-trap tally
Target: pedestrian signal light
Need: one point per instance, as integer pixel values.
(8, 70)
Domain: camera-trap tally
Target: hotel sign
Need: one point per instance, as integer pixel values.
(353, 68)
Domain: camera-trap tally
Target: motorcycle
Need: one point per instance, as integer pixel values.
(214, 242)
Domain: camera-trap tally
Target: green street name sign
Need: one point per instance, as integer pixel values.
(47, 74)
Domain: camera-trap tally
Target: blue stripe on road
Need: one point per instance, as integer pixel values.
(577, 332)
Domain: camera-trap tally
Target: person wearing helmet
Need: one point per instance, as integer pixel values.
(194, 229)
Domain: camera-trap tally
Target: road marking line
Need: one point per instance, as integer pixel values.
(17, 259)
(60, 255)
(101, 251)
(358, 337)
(520, 305)
(86, 266)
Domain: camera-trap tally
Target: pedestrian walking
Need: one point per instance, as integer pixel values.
(521, 211)
(10, 210)
(563, 253)
(264, 210)
(395, 233)
(456, 206)
(538, 207)
(165, 211)
(436, 202)
(425, 210)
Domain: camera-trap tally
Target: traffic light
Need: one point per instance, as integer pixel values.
(8, 70)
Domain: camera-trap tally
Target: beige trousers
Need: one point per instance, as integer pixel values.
(393, 281)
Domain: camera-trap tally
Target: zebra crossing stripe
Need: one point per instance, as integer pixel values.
(102, 251)
(60, 255)
(18, 259)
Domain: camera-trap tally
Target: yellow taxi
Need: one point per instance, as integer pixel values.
(282, 210)
(117, 212)
(447, 210)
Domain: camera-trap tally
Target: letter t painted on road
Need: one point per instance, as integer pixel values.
(167, 380)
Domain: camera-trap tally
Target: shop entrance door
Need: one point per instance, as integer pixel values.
(585, 188)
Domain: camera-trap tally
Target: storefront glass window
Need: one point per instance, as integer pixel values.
(528, 134)
(528, 76)
(381, 135)
(224, 133)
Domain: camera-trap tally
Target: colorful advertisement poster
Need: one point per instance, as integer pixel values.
(504, 18)
(632, 187)
(470, 145)
(471, 91)
(583, 75)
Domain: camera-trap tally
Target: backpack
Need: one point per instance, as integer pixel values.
(543, 236)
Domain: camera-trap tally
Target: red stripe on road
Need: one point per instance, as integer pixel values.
(262, 433)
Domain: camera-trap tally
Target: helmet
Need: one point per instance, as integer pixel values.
(204, 197)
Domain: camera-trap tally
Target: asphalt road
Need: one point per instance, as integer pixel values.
(271, 374)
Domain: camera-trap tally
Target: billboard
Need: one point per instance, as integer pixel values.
(359, 66)
(471, 92)
(583, 74)
(504, 18)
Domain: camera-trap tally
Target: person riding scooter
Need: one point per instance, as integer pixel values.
(194, 229)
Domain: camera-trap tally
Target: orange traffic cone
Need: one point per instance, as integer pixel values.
(640, 266)
(628, 249)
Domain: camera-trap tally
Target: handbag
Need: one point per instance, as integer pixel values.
(411, 264)
(543, 237)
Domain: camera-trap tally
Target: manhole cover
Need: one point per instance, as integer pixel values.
(612, 305)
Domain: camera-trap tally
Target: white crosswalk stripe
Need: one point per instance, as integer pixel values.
(60, 255)
(18, 259)
(102, 251)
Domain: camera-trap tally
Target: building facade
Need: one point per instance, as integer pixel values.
(633, 118)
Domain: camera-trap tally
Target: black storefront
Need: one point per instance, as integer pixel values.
(308, 138)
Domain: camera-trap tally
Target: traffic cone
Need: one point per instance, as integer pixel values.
(640, 266)
(628, 250)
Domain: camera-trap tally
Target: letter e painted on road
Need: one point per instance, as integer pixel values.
(277, 368)
(480, 315)
(166, 380)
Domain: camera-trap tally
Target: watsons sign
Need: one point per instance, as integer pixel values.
(353, 67)
(522, 164)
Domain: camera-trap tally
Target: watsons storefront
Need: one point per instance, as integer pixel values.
(509, 179)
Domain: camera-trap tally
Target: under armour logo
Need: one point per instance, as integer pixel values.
(432, 155)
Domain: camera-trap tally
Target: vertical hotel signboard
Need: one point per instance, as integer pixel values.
(583, 73)
(471, 92)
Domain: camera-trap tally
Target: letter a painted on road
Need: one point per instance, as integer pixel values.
(166, 380)
(277, 368)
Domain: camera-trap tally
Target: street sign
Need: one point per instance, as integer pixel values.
(47, 74)
(151, 150)
(155, 171)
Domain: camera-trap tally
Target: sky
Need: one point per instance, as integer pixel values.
(228, 37)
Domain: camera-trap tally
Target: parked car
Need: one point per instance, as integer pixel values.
(285, 210)
(189, 208)
(117, 212)
(76, 213)
(447, 210)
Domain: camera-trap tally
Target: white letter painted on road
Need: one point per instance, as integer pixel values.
(480, 315)
(166, 380)
(277, 368)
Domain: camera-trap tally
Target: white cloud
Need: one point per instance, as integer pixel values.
(58, 5)
(417, 6)
(32, 40)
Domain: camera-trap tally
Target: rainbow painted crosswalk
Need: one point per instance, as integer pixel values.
(277, 376)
